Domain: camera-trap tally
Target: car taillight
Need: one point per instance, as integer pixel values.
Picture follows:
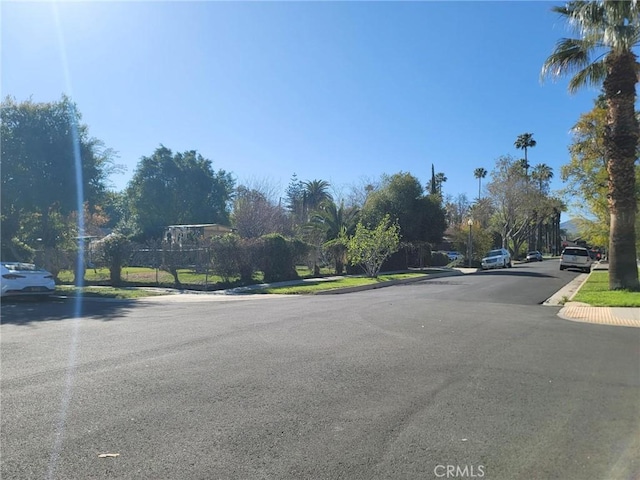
(12, 276)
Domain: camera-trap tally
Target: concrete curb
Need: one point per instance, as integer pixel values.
(584, 313)
(567, 292)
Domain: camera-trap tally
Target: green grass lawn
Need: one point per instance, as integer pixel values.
(143, 276)
(595, 291)
(97, 279)
(312, 287)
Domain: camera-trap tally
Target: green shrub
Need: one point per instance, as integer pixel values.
(370, 247)
(277, 258)
(233, 256)
(224, 253)
(247, 265)
(439, 259)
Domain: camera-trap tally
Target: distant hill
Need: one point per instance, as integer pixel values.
(571, 227)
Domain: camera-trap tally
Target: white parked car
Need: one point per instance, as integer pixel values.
(576, 257)
(498, 258)
(454, 255)
(25, 279)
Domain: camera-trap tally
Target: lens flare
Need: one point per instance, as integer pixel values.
(75, 327)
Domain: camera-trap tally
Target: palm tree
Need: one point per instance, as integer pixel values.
(603, 54)
(438, 180)
(523, 142)
(435, 184)
(479, 173)
(524, 166)
(316, 192)
(542, 173)
(336, 223)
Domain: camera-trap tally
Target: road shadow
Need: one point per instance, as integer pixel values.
(25, 311)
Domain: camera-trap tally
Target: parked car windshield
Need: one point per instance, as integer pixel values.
(494, 253)
(576, 251)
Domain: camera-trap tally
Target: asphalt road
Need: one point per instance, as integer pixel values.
(460, 377)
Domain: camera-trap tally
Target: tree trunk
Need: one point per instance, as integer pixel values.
(620, 141)
(115, 273)
(558, 239)
(78, 273)
(176, 280)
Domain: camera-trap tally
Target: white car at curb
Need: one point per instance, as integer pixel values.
(498, 258)
(25, 279)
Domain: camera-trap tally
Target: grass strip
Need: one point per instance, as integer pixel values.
(313, 286)
(595, 291)
(105, 292)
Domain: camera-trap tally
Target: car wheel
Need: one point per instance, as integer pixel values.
(509, 264)
(561, 267)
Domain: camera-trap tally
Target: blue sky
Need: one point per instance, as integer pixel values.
(341, 91)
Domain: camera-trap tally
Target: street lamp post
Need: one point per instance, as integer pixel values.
(470, 223)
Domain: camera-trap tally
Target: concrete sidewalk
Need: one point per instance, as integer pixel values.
(618, 316)
(582, 312)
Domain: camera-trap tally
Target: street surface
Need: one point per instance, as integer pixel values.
(459, 377)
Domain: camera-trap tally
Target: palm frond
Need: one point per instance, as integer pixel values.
(593, 75)
(589, 17)
(570, 55)
(580, 15)
(620, 12)
(621, 38)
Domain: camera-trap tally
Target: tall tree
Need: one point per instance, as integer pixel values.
(457, 208)
(480, 173)
(602, 54)
(524, 165)
(49, 163)
(542, 175)
(360, 191)
(296, 200)
(513, 201)
(317, 191)
(440, 179)
(587, 178)
(421, 217)
(524, 142)
(180, 188)
(255, 215)
(435, 184)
